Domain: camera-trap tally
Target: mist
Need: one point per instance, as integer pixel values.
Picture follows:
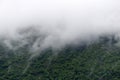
(59, 22)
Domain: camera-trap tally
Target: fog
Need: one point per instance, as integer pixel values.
(61, 21)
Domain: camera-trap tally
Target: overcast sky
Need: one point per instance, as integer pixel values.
(66, 20)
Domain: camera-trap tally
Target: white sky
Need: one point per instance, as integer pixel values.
(79, 17)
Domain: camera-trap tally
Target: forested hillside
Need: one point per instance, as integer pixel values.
(97, 61)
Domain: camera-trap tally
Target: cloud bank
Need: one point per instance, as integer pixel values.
(59, 22)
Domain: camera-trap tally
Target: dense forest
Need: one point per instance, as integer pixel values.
(97, 61)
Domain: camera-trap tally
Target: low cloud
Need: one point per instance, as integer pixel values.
(56, 23)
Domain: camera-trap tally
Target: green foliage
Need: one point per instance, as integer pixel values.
(97, 61)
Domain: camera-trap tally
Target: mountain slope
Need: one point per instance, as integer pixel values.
(97, 61)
